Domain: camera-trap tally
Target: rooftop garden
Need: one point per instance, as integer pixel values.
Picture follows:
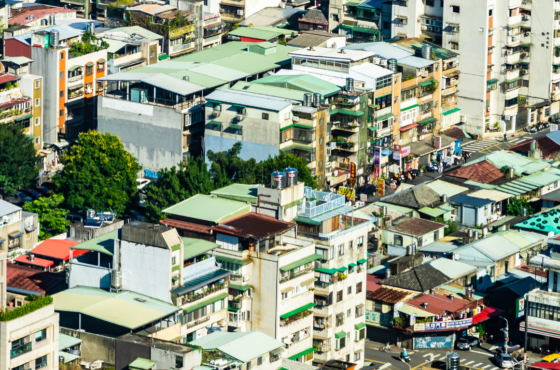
(34, 303)
(8, 86)
(88, 44)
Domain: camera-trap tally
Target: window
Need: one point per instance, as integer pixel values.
(335, 17)
(490, 11)
(398, 240)
(259, 361)
(41, 335)
(37, 102)
(349, 313)
(358, 288)
(61, 112)
(41, 362)
(339, 296)
(386, 25)
(62, 94)
(547, 111)
(384, 101)
(360, 334)
(265, 116)
(360, 242)
(357, 356)
(436, 236)
(341, 342)
(320, 164)
(320, 141)
(430, 2)
(409, 94)
(249, 365)
(383, 82)
(37, 141)
(178, 361)
(359, 310)
(240, 110)
(37, 121)
(455, 9)
(349, 290)
(285, 295)
(341, 250)
(454, 45)
(89, 70)
(321, 121)
(152, 54)
(37, 84)
(61, 74)
(173, 261)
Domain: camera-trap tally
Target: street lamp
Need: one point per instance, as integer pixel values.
(506, 331)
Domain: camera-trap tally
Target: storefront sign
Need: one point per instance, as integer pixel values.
(377, 156)
(363, 197)
(405, 151)
(520, 307)
(352, 174)
(381, 187)
(443, 325)
(412, 320)
(349, 193)
(379, 318)
(437, 142)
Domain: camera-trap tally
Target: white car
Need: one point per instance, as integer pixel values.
(142, 183)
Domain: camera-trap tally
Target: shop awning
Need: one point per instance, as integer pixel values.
(233, 309)
(487, 313)
(326, 271)
(340, 335)
(297, 310)
(243, 288)
(348, 112)
(427, 121)
(296, 125)
(492, 81)
(301, 262)
(406, 128)
(427, 82)
(524, 63)
(362, 260)
(384, 117)
(359, 29)
(407, 108)
(525, 45)
(175, 278)
(297, 147)
(360, 325)
(232, 260)
(238, 127)
(302, 353)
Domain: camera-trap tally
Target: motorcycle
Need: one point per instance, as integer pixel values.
(385, 348)
(409, 176)
(405, 358)
(431, 168)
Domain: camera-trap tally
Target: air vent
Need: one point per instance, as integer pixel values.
(140, 300)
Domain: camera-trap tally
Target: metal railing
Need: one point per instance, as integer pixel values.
(329, 201)
(18, 351)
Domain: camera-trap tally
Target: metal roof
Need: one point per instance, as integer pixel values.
(371, 70)
(382, 49)
(67, 357)
(446, 188)
(7, 208)
(244, 346)
(241, 192)
(496, 196)
(335, 212)
(201, 281)
(334, 54)
(470, 201)
(127, 309)
(142, 363)
(278, 92)
(159, 80)
(208, 208)
(193, 247)
(497, 247)
(17, 60)
(270, 16)
(411, 310)
(302, 82)
(416, 44)
(249, 99)
(451, 268)
(439, 247)
(64, 32)
(114, 45)
(262, 33)
(133, 30)
(416, 62)
(400, 209)
(152, 9)
(103, 244)
(544, 222)
(521, 164)
(67, 341)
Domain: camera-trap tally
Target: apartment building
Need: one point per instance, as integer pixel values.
(359, 20)
(235, 11)
(21, 98)
(29, 337)
(37, 15)
(18, 229)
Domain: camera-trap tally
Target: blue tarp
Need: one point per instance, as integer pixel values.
(150, 174)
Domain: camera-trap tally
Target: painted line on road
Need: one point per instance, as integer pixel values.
(379, 362)
(478, 365)
(463, 360)
(482, 353)
(468, 363)
(484, 367)
(415, 367)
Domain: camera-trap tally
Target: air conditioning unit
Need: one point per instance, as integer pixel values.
(527, 34)
(488, 109)
(216, 113)
(295, 118)
(454, 29)
(240, 12)
(424, 74)
(245, 278)
(523, 72)
(527, 18)
(327, 164)
(523, 55)
(491, 51)
(329, 151)
(239, 117)
(463, 118)
(423, 27)
(509, 51)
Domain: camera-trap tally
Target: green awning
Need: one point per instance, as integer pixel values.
(362, 260)
(302, 353)
(426, 121)
(305, 220)
(384, 117)
(354, 2)
(514, 80)
(372, 128)
(343, 269)
(233, 309)
(175, 278)
(407, 108)
(427, 83)
(30, 137)
(142, 363)
(524, 63)
(71, 69)
(101, 62)
(360, 325)
(296, 125)
(215, 123)
(238, 106)
(89, 64)
(326, 271)
(207, 302)
(301, 262)
(27, 116)
(492, 81)
(297, 147)
(467, 135)
(352, 265)
(373, 10)
(348, 112)
(382, 96)
(297, 310)
(163, 56)
(340, 335)
(525, 45)
(372, 142)
(243, 288)
(238, 127)
(451, 111)
(359, 29)
(232, 260)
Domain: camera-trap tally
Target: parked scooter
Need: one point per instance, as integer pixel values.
(431, 168)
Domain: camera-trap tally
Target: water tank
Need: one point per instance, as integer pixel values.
(307, 97)
(52, 19)
(476, 235)
(91, 27)
(511, 172)
(291, 176)
(54, 38)
(469, 233)
(384, 211)
(278, 180)
(484, 232)
(533, 145)
(392, 64)
(524, 212)
(31, 257)
(350, 84)
(409, 250)
(116, 279)
(317, 100)
(387, 273)
(468, 292)
(427, 51)
(444, 198)
(452, 361)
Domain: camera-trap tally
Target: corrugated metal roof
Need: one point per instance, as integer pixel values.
(142, 363)
(416, 62)
(403, 210)
(241, 192)
(249, 99)
(152, 9)
(7, 208)
(439, 247)
(542, 178)
(278, 92)
(17, 60)
(353, 54)
(159, 80)
(114, 45)
(371, 70)
(134, 30)
(103, 244)
(244, 346)
(451, 268)
(67, 341)
(494, 195)
(521, 164)
(416, 44)
(127, 309)
(270, 17)
(304, 82)
(447, 188)
(207, 208)
(64, 33)
(195, 247)
(262, 33)
(382, 49)
(410, 310)
(498, 246)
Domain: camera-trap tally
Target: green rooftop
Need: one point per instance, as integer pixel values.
(305, 83)
(416, 44)
(260, 33)
(142, 364)
(544, 222)
(521, 164)
(195, 247)
(208, 208)
(277, 92)
(240, 192)
(67, 341)
(104, 244)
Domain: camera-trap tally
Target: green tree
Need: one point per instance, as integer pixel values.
(452, 227)
(177, 184)
(51, 216)
(515, 207)
(99, 174)
(18, 159)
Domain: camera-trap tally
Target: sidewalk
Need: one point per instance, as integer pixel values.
(393, 349)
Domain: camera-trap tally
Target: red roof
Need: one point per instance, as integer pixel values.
(4, 77)
(20, 15)
(545, 365)
(187, 226)
(253, 225)
(372, 283)
(27, 278)
(438, 303)
(57, 249)
(24, 258)
(547, 146)
(484, 172)
(406, 128)
(13, 102)
(486, 314)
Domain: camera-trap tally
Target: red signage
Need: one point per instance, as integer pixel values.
(352, 174)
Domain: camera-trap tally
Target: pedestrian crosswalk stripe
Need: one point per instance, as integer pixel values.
(426, 355)
(436, 356)
(463, 360)
(495, 368)
(477, 145)
(484, 367)
(470, 362)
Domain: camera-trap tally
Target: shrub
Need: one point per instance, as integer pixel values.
(36, 304)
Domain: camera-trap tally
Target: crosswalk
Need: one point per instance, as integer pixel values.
(463, 361)
(475, 146)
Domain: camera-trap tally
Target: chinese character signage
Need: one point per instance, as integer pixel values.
(381, 187)
(347, 192)
(443, 325)
(520, 307)
(383, 319)
(352, 174)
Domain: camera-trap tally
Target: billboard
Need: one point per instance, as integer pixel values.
(381, 187)
(349, 193)
(443, 325)
(352, 174)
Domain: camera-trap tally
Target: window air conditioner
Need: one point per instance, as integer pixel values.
(423, 27)
(527, 34)
(216, 113)
(295, 118)
(246, 278)
(430, 28)
(488, 109)
(240, 117)
(240, 12)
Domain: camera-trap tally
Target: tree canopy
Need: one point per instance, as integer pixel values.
(51, 217)
(515, 207)
(18, 159)
(98, 174)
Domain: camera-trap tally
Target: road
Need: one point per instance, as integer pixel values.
(479, 358)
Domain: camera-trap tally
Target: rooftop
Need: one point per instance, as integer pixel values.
(446, 188)
(67, 341)
(438, 303)
(195, 247)
(496, 247)
(240, 192)
(132, 31)
(388, 295)
(302, 82)
(268, 17)
(155, 343)
(521, 164)
(334, 54)
(208, 208)
(104, 244)
(29, 14)
(57, 249)
(416, 43)
(307, 39)
(244, 346)
(7, 208)
(470, 201)
(451, 268)
(127, 309)
(315, 16)
(253, 225)
(249, 99)
(152, 9)
(483, 172)
(547, 146)
(161, 80)
(495, 195)
(65, 32)
(414, 226)
(32, 280)
(420, 279)
(273, 91)
(389, 51)
(417, 197)
(39, 262)
(260, 33)
(544, 222)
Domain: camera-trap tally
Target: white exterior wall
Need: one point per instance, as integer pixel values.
(254, 6)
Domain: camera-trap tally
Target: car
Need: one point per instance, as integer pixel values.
(23, 197)
(43, 190)
(468, 342)
(142, 183)
(503, 360)
(137, 216)
(35, 194)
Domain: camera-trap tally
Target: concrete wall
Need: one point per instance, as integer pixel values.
(94, 347)
(166, 359)
(540, 67)
(82, 274)
(48, 68)
(29, 88)
(152, 134)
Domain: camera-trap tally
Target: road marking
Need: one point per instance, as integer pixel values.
(463, 360)
(493, 348)
(468, 363)
(495, 368)
(478, 365)
(482, 353)
(379, 362)
(427, 354)
(484, 367)
(418, 366)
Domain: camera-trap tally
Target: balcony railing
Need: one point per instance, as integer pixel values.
(20, 350)
(75, 78)
(193, 297)
(328, 202)
(293, 275)
(197, 322)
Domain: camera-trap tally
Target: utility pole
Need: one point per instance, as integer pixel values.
(506, 334)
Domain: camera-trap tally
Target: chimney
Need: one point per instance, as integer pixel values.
(451, 297)
(432, 291)
(424, 304)
(31, 257)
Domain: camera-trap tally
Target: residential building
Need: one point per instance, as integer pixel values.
(22, 281)
(360, 20)
(542, 147)
(322, 39)
(19, 229)
(259, 34)
(253, 350)
(170, 94)
(274, 17)
(137, 349)
(419, 197)
(381, 305)
(421, 279)
(403, 233)
(482, 172)
(38, 15)
(68, 349)
(313, 20)
(473, 211)
(542, 112)
(233, 11)
(30, 336)
(49, 255)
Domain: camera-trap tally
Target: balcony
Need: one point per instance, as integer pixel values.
(527, 4)
(76, 79)
(292, 275)
(9, 115)
(181, 47)
(511, 110)
(346, 146)
(345, 126)
(513, 41)
(448, 91)
(557, 40)
(555, 96)
(512, 58)
(428, 96)
(75, 94)
(233, 2)
(211, 39)
(514, 21)
(322, 202)
(20, 349)
(192, 324)
(192, 297)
